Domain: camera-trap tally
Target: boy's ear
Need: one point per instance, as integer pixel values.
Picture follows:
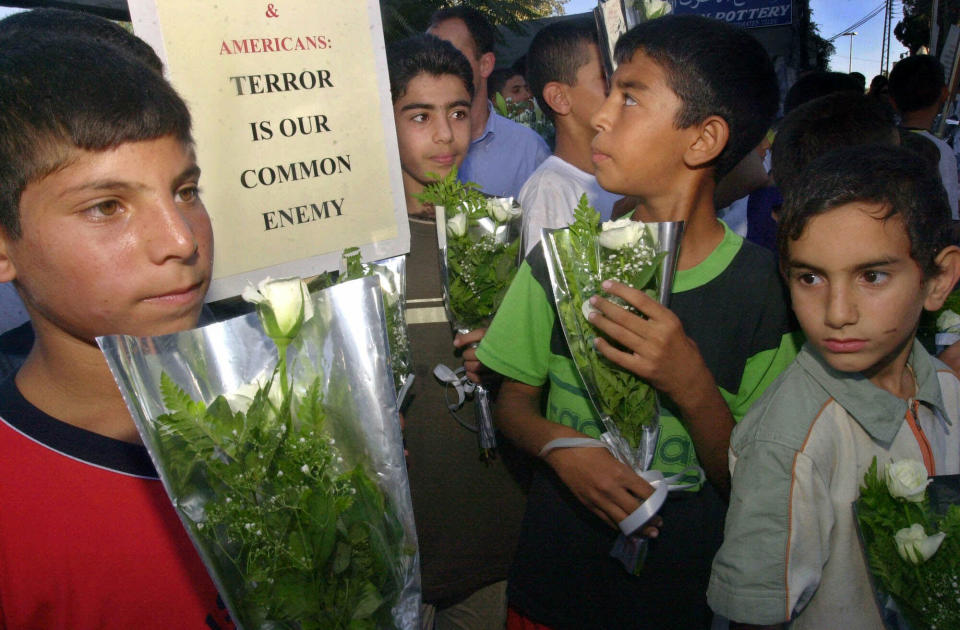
(555, 95)
(709, 143)
(7, 270)
(487, 63)
(940, 285)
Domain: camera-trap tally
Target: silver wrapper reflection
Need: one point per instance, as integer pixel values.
(345, 344)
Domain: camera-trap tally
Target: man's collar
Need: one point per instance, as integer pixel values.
(488, 128)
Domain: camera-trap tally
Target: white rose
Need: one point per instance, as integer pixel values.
(621, 233)
(948, 322)
(241, 398)
(283, 306)
(653, 9)
(457, 226)
(915, 546)
(501, 209)
(907, 480)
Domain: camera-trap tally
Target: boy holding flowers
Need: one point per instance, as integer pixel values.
(865, 246)
(690, 98)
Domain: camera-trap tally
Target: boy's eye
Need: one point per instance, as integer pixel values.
(628, 101)
(875, 277)
(419, 118)
(808, 278)
(458, 114)
(188, 194)
(104, 209)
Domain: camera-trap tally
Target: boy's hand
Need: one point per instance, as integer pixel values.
(657, 348)
(610, 489)
(660, 352)
(468, 343)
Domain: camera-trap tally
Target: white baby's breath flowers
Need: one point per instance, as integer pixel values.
(915, 546)
(907, 480)
(457, 225)
(620, 233)
(284, 305)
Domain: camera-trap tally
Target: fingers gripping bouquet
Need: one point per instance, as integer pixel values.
(579, 259)
(911, 535)
(276, 437)
(479, 240)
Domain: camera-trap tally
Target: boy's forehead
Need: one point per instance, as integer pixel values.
(640, 68)
(852, 227)
(439, 90)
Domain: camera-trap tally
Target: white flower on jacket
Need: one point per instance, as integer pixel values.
(457, 225)
(915, 546)
(907, 480)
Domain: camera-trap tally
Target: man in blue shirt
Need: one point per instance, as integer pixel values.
(502, 153)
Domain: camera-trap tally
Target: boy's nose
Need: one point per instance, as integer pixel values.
(601, 119)
(170, 232)
(443, 131)
(841, 309)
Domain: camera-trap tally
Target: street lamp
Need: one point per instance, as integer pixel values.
(850, 60)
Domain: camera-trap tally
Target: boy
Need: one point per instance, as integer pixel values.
(103, 232)
(568, 80)
(865, 247)
(919, 92)
(502, 153)
(690, 98)
(510, 84)
(467, 513)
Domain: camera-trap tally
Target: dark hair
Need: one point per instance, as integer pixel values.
(58, 94)
(556, 53)
(715, 69)
(62, 22)
(879, 85)
(425, 53)
(813, 85)
(481, 31)
(889, 176)
(835, 120)
(916, 82)
(922, 146)
(498, 78)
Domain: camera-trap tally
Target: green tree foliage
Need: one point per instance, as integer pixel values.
(913, 30)
(402, 18)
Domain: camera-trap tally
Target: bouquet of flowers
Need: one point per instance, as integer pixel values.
(392, 273)
(579, 259)
(479, 240)
(276, 437)
(911, 534)
(527, 114)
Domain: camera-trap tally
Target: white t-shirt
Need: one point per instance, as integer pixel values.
(551, 193)
(948, 171)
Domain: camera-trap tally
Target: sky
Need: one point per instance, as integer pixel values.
(833, 17)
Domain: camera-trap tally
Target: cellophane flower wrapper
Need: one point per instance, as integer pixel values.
(578, 264)
(392, 273)
(923, 596)
(303, 515)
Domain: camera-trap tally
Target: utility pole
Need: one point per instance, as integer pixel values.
(887, 32)
(849, 34)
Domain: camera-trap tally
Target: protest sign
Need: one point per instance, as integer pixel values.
(294, 129)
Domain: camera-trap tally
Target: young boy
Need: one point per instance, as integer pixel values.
(468, 513)
(565, 72)
(690, 98)
(865, 247)
(102, 231)
(919, 91)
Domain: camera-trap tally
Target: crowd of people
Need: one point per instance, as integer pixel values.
(786, 362)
